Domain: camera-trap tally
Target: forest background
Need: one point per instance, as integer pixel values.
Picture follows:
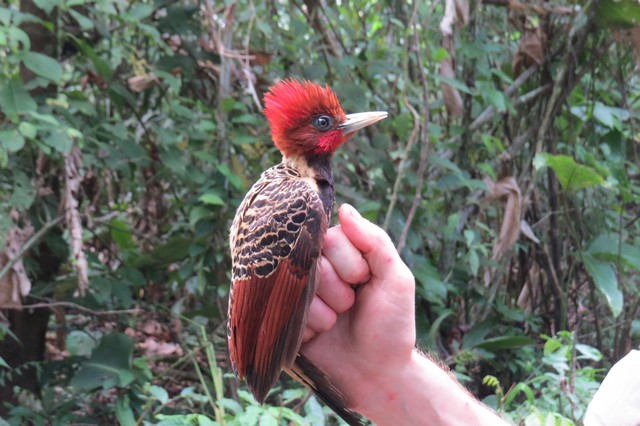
(507, 174)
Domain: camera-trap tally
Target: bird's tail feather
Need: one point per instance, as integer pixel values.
(315, 379)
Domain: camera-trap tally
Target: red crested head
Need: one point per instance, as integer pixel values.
(304, 118)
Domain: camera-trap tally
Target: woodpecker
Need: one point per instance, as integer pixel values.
(276, 240)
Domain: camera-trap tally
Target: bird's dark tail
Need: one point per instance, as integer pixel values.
(315, 379)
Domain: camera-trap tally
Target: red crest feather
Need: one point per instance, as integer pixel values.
(290, 105)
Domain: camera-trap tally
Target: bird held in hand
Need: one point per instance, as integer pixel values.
(277, 236)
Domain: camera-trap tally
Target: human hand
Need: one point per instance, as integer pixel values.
(361, 338)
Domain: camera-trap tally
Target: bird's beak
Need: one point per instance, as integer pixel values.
(361, 119)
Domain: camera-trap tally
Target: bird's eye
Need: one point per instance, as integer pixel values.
(323, 123)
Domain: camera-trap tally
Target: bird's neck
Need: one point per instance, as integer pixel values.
(317, 167)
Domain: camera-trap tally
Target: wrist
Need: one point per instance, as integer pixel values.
(422, 393)
(383, 396)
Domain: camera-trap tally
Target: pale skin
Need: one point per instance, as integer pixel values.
(365, 339)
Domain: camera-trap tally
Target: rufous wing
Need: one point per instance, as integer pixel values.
(275, 242)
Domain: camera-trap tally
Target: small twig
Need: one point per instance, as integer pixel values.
(75, 306)
(540, 9)
(424, 150)
(246, 66)
(412, 138)
(27, 246)
(488, 113)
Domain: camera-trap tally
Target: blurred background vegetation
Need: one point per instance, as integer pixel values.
(130, 130)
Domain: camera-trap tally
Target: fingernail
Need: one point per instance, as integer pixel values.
(353, 212)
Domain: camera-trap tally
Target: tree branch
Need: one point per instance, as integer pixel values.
(30, 243)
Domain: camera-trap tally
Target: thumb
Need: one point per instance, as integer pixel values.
(375, 245)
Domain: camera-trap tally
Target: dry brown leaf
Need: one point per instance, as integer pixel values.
(15, 284)
(510, 227)
(630, 37)
(450, 95)
(152, 327)
(152, 347)
(530, 51)
(140, 83)
(526, 230)
(530, 292)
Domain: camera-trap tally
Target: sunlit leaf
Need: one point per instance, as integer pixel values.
(609, 247)
(159, 393)
(212, 198)
(572, 176)
(605, 280)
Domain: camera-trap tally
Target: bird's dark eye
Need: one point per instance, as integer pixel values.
(323, 123)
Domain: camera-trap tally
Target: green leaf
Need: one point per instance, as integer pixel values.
(175, 249)
(212, 198)
(617, 13)
(43, 65)
(27, 130)
(159, 393)
(3, 363)
(19, 40)
(250, 119)
(124, 412)
(4, 158)
(588, 352)
(435, 327)
(108, 366)
(230, 404)
(11, 140)
(608, 247)
(354, 97)
(452, 82)
(80, 343)
(496, 99)
(140, 11)
(440, 54)
(506, 342)
(14, 99)
(122, 234)
(85, 23)
(47, 5)
(605, 280)
(59, 140)
(23, 191)
(101, 66)
(516, 390)
(5, 226)
(610, 116)
(432, 287)
(474, 262)
(572, 176)
(197, 213)
(478, 332)
(45, 118)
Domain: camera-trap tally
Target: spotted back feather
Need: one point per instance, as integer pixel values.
(275, 239)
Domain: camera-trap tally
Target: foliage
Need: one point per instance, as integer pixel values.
(559, 387)
(507, 174)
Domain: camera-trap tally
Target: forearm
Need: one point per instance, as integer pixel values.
(424, 394)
